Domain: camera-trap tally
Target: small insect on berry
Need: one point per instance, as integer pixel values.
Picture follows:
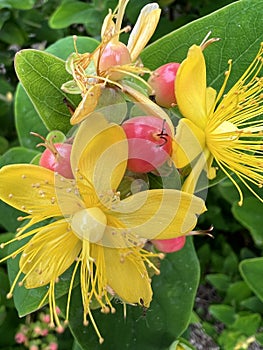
(150, 143)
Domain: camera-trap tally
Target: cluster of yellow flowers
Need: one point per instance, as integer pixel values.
(91, 227)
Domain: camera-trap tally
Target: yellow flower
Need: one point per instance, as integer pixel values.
(91, 227)
(219, 127)
(111, 60)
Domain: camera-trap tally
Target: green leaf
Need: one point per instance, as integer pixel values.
(240, 41)
(5, 15)
(253, 304)
(166, 319)
(219, 281)
(8, 330)
(64, 47)
(69, 12)
(27, 120)
(223, 313)
(17, 155)
(237, 292)
(17, 4)
(42, 75)
(3, 145)
(251, 271)
(259, 338)
(247, 324)
(12, 33)
(40, 118)
(250, 216)
(229, 339)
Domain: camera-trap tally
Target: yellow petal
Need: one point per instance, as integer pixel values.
(87, 104)
(189, 142)
(127, 276)
(102, 161)
(38, 192)
(159, 213)
(86, 131)
(29, 188)
(190, 87)
(143, 29)
(48, 254)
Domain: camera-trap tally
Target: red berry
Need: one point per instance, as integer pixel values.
(114, 55)
(58, 159)
(162, 81)
(169, 245)
(150, 143)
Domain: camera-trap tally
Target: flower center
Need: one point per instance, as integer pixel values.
(227, 131)
(89, 224)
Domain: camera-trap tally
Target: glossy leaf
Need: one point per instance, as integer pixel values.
(17, 4)
(247, 324)
(35, 111)
(42, 75)
(17, 155)
(219, 280)
(251, 271)
(69, 12)
(27, 120)
(64, 47)
(250, 216)
(223, 313)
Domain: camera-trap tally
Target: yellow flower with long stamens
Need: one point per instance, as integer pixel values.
(111, 60)
(91, 228)
(225, 128)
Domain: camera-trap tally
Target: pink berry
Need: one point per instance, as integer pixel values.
(114, 55)
(162, 81)
(44, 332)
(53, 346)
(46, 318)
(20, 338)
(150, 143)
(169, 245)
(33, 347)
(58, 159)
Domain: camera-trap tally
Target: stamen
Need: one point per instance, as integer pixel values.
(234, 133)
(206, 42)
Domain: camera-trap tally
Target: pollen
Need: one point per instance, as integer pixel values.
(36, 185)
